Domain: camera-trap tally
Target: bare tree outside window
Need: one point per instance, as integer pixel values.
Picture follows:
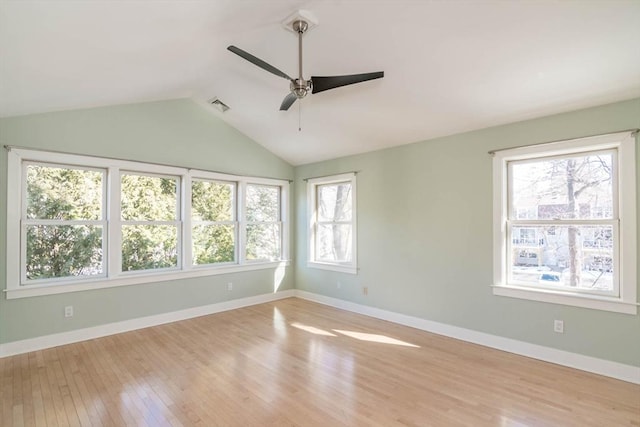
(334, 228)
(571, 231)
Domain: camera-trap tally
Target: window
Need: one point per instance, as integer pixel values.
(263, 225)
(150, 221)
(76, 223)
(332, 207)
(213, 222)
(579, 199)
(64, 223)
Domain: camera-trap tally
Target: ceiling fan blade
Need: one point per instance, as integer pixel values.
(288, 101)
(259, 62)
(321, 84)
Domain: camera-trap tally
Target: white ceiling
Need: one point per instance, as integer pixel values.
(450, 66)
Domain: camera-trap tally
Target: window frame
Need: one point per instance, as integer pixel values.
(17, 158)
(624, 199)
(312, 200)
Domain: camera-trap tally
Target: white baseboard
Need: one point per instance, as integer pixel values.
(62, 338)
(560, 357)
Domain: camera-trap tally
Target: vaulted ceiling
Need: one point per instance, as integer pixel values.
(450, 66)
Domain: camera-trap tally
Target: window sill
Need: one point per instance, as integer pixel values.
(333, 267)
(567, 298)
(102, 283)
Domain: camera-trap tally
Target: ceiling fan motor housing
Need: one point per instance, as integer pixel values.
(300, 87)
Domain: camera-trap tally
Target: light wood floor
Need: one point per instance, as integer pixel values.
(296, 363)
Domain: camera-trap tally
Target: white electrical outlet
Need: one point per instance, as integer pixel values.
(365, 290)
(68, 311)
(338, 285)
(229, 286)
(558, 326)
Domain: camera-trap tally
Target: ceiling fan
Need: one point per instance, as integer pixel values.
(300, 87)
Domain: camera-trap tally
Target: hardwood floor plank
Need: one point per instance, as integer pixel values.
(296, 363)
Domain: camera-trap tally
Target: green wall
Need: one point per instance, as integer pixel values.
(425, 237)
(424, 217)
(180, 133)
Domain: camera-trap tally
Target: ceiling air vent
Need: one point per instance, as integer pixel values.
(218, 104)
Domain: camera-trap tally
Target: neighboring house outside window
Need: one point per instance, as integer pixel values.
(577, 244)
(77, 222)
(332, 223)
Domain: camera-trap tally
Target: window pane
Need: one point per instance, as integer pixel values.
(333, 242)
(263, 203)
(212, 201)
(578, 257)
(577, 187)
(63, 251)
(213, 243)
(63, 194)
(148, 198)
(149, 246)
(334, 202)
(263, 241)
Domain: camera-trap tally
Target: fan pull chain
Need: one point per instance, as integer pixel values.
(299, 116)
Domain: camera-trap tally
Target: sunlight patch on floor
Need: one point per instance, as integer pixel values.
(362, 336)
(312, 329)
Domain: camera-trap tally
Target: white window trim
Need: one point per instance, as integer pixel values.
(626, 302)
(312, 184)
(115, 277)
